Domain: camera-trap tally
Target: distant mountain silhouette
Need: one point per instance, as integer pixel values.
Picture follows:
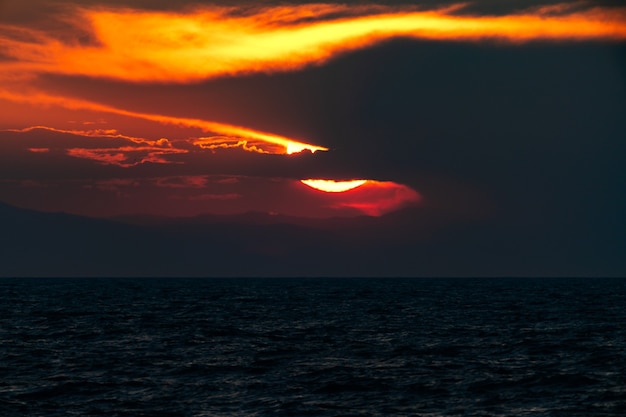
(252, 244)
(263, 218)
(411, 242)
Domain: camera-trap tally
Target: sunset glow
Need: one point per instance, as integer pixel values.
(208, 42)
(369, 197)
(98, 97)
(332, 186)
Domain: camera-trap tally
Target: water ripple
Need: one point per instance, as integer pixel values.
(312, 347)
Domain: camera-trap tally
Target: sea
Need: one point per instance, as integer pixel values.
(313, 347)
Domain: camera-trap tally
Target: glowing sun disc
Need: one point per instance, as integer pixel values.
(332, 186)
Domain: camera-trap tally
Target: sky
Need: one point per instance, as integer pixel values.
(503, 116)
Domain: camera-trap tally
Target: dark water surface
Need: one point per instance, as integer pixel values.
(312, 347)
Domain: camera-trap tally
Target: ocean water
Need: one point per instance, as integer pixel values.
(312, 347)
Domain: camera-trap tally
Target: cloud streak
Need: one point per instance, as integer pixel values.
(148, 46)
(248, 139)
(135, 152)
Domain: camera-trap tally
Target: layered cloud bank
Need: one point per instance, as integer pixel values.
(146, 46)
(103, 173)
(55, 72)
(135, 45)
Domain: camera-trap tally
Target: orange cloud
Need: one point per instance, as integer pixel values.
(100, 133)
(222, 142)
(248, 138)
(139, 45)
(125, 156)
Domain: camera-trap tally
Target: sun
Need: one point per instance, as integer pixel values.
(332, 186)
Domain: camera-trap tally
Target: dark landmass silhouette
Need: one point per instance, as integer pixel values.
(410, 242)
